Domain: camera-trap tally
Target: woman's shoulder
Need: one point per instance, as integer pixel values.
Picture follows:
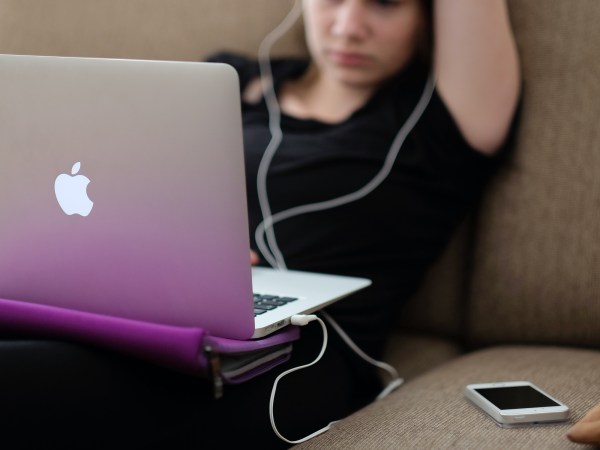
(248, 68)
(237, 60)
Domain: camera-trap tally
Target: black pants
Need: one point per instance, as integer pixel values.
(64, 395)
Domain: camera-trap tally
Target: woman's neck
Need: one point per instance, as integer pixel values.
(316, 96)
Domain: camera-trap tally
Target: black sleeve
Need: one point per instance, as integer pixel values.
(445, 137)
(445, 133)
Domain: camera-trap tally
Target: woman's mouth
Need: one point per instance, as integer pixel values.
(348, 58)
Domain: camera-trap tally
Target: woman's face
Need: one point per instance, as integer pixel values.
(362, 42)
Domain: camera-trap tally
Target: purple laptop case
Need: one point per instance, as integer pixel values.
(179, 348)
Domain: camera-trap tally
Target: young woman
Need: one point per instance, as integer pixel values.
(342, 110)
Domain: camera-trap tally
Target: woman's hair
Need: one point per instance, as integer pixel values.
(425, 51)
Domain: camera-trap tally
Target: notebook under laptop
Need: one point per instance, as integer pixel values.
(162, 234)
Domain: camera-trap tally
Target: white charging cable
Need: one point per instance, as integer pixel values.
(299, 320)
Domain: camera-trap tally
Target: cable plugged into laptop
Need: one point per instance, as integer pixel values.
(299, 320)
(303, 319)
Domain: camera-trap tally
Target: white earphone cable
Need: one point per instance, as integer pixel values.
(395, 381)
(270, 248)
(272, 253)
(266, 226)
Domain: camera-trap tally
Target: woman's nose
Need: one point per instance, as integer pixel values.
(350, 21)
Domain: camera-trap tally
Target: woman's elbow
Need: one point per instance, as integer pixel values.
(486, 123)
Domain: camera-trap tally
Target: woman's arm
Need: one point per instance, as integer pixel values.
(477, 68)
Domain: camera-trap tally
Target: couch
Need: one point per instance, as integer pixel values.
(516, 294)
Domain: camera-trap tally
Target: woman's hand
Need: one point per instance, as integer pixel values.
(254, 259)
(587, 430)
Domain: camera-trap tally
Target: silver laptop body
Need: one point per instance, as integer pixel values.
(122, 192)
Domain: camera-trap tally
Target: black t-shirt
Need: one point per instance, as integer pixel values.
(392, 235)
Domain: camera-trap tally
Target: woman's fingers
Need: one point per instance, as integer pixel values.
(587, 430)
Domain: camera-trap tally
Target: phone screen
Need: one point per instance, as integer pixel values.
(516, 397)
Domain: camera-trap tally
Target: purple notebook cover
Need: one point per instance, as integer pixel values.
(179, 348)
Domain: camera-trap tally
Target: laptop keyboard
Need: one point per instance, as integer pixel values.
(264, 303)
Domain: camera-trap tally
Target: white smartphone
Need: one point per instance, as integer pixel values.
(513, 403)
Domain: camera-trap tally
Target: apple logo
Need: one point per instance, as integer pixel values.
(71, 192)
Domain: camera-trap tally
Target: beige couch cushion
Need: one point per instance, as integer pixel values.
(413, 354)
(145, 29)
(537, 264)
(430, 411)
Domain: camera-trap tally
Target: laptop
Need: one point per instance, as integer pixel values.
(122, 192)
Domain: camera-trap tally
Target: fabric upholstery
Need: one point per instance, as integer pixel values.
(144, 29)
(413, 354)
(537, 264)
(430, 411)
